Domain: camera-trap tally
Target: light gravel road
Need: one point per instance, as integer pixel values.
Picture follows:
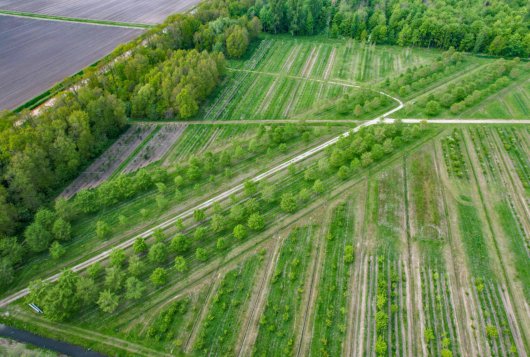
(381, 119)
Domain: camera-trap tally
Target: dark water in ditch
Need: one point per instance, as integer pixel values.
(46, 343)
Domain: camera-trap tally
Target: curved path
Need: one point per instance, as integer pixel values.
(384, 118)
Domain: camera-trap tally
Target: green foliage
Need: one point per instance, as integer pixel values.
(134, 288)
(180, 264)
(158, 253)
(492, 332)
(57, 250)
(256, 222)
(428, 334)
(381, 346)
(62, 230)
(117, 257)
(179, 244)
(348, 254)
(199, 215)
(7, 273)
(201, 254)
(159, 277)
(240, 232)
(103, 230)
(86, 290)
(237, 41)
(108, 301)
(136, 266)
(288, 203)
(140, 246)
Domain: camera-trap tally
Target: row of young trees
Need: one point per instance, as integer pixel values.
(417, 78)
(73, 292)
(167, 73)
(473, 88)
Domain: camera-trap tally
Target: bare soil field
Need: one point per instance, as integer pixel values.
(142, 11)
(157, 147)
(36, 54)
(110, 160)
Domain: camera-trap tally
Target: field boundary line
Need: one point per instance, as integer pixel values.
(35, 16)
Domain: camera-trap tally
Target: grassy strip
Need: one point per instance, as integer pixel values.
(517, 241)
(330, 319)
(474, 242)
(73, 19)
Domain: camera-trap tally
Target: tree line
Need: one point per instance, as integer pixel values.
(496, 27)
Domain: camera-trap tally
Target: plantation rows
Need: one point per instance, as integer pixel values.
(512, 102)
(356, 61)
(277, 330)
(419, 78)
(519, 156)
(453, 155)
(334, 291)
(470, 89)
(156, 147)
(493, 323)
(440, 332)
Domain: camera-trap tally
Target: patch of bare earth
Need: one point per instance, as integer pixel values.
(104, 166)
(157, 147)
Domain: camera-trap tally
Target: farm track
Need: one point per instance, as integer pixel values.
(407, 259)
(498, 239)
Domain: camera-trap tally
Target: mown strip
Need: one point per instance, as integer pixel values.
(74, 19)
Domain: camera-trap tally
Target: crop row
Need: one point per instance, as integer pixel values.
(453, 155)
(219, 330)
(493, 321)
(277, 328)
(440, 334)
(110, 160)
(418, 78)
(333, 289)
(359, 62)
(482, 144)
(512, 144)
